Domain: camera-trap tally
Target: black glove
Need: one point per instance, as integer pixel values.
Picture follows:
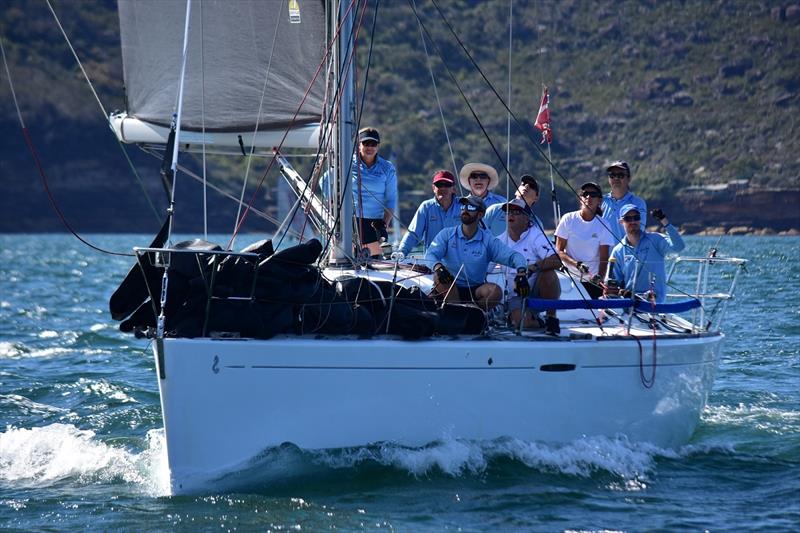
(380, 228)
(658, 214)
(444, 276)
(583, 269)
(521, 286)
(422, 269)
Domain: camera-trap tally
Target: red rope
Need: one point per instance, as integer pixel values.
(53, 203)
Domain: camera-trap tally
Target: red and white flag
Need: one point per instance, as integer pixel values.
(543, 118)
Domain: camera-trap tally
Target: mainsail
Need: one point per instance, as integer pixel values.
(233, 46)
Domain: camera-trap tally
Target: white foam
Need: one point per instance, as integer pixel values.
(104, 389)
(754, 416)
(9, 350)
(41, 456)
(583, 457)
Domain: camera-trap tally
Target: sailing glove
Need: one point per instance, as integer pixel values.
(443, 275)
(380, 228)
(583, 269)
(658, 214)
(521, 286)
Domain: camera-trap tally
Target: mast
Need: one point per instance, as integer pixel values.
(344, 133)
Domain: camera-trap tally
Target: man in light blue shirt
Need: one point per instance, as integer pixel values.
(461, 255)
(639, 259)
(619, 180)
(433, 215)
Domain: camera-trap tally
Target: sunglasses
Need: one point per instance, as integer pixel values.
(516, 212)
(591, 194)
(632, 218)
(469, 207)
(370, 143)
(617, 175)
(479, 176)
(443, 184)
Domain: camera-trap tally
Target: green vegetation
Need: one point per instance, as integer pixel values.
(689, 92)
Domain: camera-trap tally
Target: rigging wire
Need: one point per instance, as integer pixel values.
(439, 105)
(106, 116)
(39, 166)
(336, 106)
(285, 134)
(203, 118)
(258, 117)
(508, 116)
(199, 179)
(511, 113)
(477, 119)
(325, 138)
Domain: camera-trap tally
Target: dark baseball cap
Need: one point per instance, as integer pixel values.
(620, 164)
(369, 134)
(591, 185)
(530, 180)
(474, 201)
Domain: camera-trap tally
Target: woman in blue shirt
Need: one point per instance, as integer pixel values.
(374, 191)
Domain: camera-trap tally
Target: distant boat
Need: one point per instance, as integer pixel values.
(315, 346)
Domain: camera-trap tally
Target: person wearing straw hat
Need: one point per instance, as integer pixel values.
(434, 214)
(527, 239)
(480, 179)
(461, 255)
(639, 258)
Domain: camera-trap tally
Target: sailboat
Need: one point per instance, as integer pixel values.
(320, 347)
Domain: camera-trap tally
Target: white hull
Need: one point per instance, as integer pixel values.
(224, 401)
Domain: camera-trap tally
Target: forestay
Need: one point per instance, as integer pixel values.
(230, 50)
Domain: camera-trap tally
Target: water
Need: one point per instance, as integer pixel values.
(81, 444)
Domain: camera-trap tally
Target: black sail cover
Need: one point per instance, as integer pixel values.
(235, 47)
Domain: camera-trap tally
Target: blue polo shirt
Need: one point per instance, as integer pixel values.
(378, 188)
(492, 198)
(428, 221)
(649, 254)
(452, 248)
(611, 207)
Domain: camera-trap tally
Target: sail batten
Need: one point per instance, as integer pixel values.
(236, 39)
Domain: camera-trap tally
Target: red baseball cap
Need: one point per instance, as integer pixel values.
(443, 176)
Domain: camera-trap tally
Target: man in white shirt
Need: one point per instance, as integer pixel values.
(542, 261)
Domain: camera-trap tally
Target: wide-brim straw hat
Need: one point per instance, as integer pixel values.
(469, 168)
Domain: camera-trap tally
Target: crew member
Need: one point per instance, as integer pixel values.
(619, 179)
(374, 184)
(434, 214)
(639, 258)
(480, 179)
(528, 239)
(460, 256)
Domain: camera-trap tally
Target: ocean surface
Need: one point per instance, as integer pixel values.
(81, 437)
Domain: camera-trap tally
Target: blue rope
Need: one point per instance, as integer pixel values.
(540, 304)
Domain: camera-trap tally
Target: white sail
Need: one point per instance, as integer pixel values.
(244, 56)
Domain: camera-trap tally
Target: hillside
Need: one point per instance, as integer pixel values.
(693, 94)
